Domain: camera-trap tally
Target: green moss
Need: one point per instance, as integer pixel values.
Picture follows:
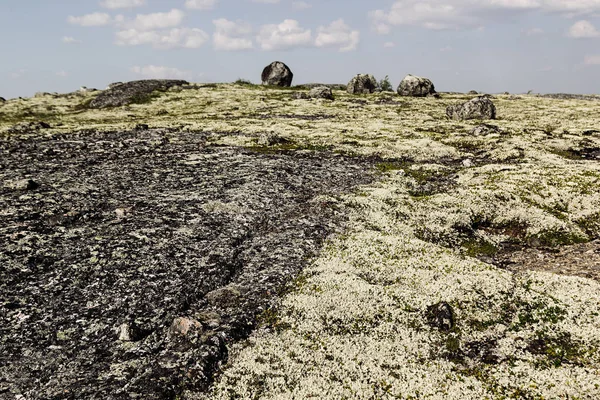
(478, 247)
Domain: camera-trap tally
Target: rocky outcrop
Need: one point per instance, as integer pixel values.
(362, 84)
(322, 92)
(132, 92)
(416, 86)
(277, 74)
(477, 108)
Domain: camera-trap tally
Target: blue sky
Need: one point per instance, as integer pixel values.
(494, 46)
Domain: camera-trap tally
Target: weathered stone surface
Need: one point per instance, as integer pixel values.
(77, 275)
(416, 86)
(441, 316)
(114, 84)
(321, 92)
(477, 108)
(362, 84)
(132, 92)
(277, 74)
(23, 127)
(485, 129)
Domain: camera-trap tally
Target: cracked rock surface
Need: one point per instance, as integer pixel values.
(138, 257)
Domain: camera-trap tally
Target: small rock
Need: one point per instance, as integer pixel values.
(473, 92)
(300, 96)
(271, 139)
(322, 92)
(122, 212)
(416, 86)
(224, 296)
(125, 333)
(24, 184)
(484, 130)
(362, 84)
(477, 108)
(277, 74)
(24, 127)
(162, 111)
(441, 316)
(506, 93)
(141, 127)
(467, 163)
(183, 326)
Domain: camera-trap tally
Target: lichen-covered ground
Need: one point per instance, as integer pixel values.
(467, 270)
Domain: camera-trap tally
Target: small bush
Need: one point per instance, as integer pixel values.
(385, 85)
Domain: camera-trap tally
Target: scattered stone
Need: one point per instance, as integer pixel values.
(441, 316)
(477, 108)
(473, 92)
(300, 96)
(362, 84)
(125, 333)
(162, 111)
(24, 127)
(41, 94)
(485, 129)
(225, 296)
(322, 92)
(416, 86)
(271, 139)
(277, 74)
(85, 89)
(332, 86)
(468, 163)
(506, 93)
(23, 184)
(122, 212)
(183, 326)
(132, 92)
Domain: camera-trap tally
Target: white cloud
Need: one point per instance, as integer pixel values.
(592, 60)
(62, 74)
(113, 4)
(533, 32)
(70, 40)
(161, 72)
(583, 29)
(285, 35)
(173, 38)
(232, 35)
(95, 19)
(455, 14)
(18, 74)
(148, 22)
(200, 4)
(301, 5)
(266, 1)
(337, 34)
(389, 45)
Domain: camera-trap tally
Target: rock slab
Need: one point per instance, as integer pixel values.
(132, 92)
(477, 108)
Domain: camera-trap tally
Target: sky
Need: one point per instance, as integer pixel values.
(490, 46)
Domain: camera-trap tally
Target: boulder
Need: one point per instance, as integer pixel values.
(132, 92)
(485, 129)
(441, 316)
(322, 92)
(277, 74)
(473, 92)
(362, 84)
(415, 86)
(477, 108)
(2, 100)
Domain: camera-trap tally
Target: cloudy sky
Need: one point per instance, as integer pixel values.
(492, 45)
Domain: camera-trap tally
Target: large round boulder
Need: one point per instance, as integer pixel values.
(478, 108)
(362, 84)
(416, 86)
(277, 74)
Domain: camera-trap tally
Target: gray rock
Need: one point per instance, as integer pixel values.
(322, 92)
(332, 86)
(362, 84)
(473, 92)
(416, 86)
(300, 95)
(441, 316)
(184, 326)
(277, 74)
(477, 108)
(23, 184)
(132, 92)
(485, 129)
(2, 100)
(271, 139)
(24, 127)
